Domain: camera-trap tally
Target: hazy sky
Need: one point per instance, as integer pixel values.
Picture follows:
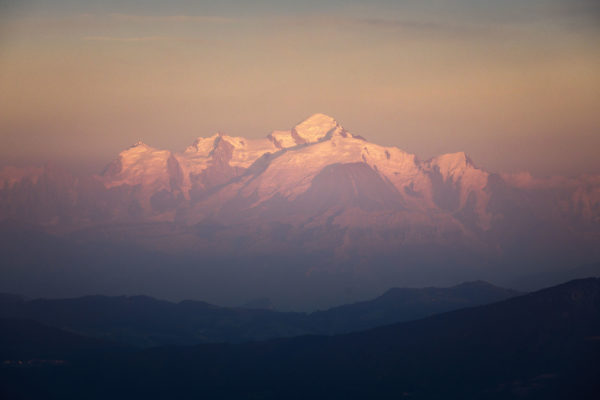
(514, 83)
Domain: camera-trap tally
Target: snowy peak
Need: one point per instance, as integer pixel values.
(141, 152)
(460, 181)
(138, 144)
(458, 168)
(316, 127)
(282, 139)
(219, 170)
(245, 151)
(452, 164)
(202, 146)
(139, 164)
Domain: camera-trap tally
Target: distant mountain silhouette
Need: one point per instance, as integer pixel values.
(554, 276)
(26, 340)
(405, 304)
(144, 321)
(543, 345)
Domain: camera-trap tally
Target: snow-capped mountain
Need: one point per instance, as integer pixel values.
(316, 173)
(320, 198)
(316, 169)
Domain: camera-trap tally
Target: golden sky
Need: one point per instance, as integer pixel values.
(516, 85)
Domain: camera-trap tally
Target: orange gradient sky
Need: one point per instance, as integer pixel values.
(516, 85)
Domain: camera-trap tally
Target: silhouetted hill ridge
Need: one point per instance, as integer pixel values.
(145, 321)
(410, 303)
(542, 345)
(22, 339)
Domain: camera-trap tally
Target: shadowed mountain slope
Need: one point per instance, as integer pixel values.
(22, 339)
(402, 304)
(144, 321)
(542, 345)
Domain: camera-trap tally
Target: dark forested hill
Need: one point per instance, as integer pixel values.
(145, 321)
(541, 345)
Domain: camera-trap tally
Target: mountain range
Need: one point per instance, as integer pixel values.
(542, 345)
(143, 321)
(314, 208)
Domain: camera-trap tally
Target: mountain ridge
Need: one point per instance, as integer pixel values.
(542, 345)
(188, 187)
(319, 208)
(145, 321)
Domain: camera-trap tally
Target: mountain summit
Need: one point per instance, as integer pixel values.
(317, 171)
(315, 128)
